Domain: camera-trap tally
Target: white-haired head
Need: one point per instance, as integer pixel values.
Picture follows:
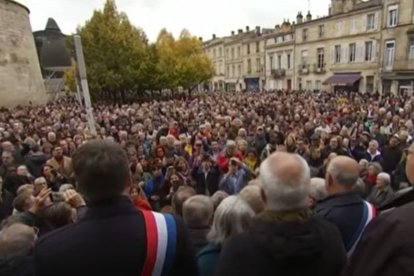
(232, 217)
(285, 180)
(318, 189)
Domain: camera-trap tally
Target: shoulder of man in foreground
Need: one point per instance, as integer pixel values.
(387, 246)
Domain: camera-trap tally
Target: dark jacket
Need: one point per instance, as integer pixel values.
(109, 240)
(198, 237)
(399, 201)
(204, 183)
(208, 258)
(345, 211)
(312, 247)
(6, 205)
(386, 247)
(23, 267)
(373, 158)
(35, 162)
(391, 157)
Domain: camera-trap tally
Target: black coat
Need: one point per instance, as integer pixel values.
(391, 158)
(312, 248)
(345, 211)
(6, 205)
(23, 267)
(109, 240)
(202, 182)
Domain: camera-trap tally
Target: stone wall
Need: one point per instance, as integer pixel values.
(21, 81)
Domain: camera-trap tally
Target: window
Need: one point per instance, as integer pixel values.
(370, 22)
(309, 85)
(220, 52)
(353, 26)
(239, 70)
(305, 34)
(258, 65)
(249, 66)
(279, 62)
(411, 49)
(227, 53)
(271, 62)
(352, 52)
(257, 46)
(233, 71)
(338, 53)
(321, 30)
(321, 58)
(228, 71)
(248, 49)
(214, 52)
(318, 85)
(369, 84)
(238, 52)
(232, 53)
(389, 54)
(288, 61)
(392, 16)
(338, 28)
(368, 51)
(304, 59)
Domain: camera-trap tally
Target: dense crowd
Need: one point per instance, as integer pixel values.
(245, 183)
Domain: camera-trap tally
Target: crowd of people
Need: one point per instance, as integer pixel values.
(217, 184)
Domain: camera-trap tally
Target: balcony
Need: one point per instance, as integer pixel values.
(401, 65)
(278, 73)
(303, 69)
(319, 68)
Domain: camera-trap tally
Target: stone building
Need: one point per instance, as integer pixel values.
(234, 61)
(20, 77)
(340, 51)
(397, 47)
(279, 53)
(214, 49)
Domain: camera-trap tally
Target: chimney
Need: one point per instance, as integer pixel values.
(214, 36)
(200, 39)
(258, 30)
(309, 16)
(240, 31)
(247, 29)
(232, 33)
(299, 18)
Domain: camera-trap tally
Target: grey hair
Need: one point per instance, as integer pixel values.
(375, 142)
(318, 189)
(198, 211)
(252, 195)
(342, 177)
(232, 217)
(66, 187)
(285, 195)
(218, 197)
(16, 241)
(385, 176)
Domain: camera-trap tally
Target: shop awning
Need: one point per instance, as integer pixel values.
(343, 79)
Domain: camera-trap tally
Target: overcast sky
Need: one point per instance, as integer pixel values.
(200, 17)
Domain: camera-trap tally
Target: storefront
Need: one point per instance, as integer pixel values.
(252, 84)
(344, 82)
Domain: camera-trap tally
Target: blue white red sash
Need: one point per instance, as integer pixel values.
(161, 243)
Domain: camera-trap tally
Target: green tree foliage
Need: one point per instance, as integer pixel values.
(120, 60)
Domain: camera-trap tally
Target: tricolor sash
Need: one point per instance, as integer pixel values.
(161, 243)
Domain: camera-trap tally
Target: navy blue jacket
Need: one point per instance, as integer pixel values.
(210, 182)
(109, 240)
(345, 211)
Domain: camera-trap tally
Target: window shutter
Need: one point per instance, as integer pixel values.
(376, 17)
(364, 23)
(374, 50)
(358, 52)
(344, 54)
(332, 54)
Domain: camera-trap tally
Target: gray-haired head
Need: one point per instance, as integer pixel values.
(385, 178)
(198, 211)
(252, 194)
(318, 189)
(285, 180)
(343, 172)
(232, 216)
(16, 241)
(218, 197)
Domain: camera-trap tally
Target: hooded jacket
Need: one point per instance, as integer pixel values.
(309, 246)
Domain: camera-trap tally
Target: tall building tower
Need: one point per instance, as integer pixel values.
(21, 80)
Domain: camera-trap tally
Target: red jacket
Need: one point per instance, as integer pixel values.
(223, 161)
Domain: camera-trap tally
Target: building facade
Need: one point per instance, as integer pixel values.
(362, 45)
(280, 57)
(214, 49)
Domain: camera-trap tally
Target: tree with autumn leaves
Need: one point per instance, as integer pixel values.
(120, 61)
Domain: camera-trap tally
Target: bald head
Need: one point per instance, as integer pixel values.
(16, 241)
(342, 172)
(285, 181)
